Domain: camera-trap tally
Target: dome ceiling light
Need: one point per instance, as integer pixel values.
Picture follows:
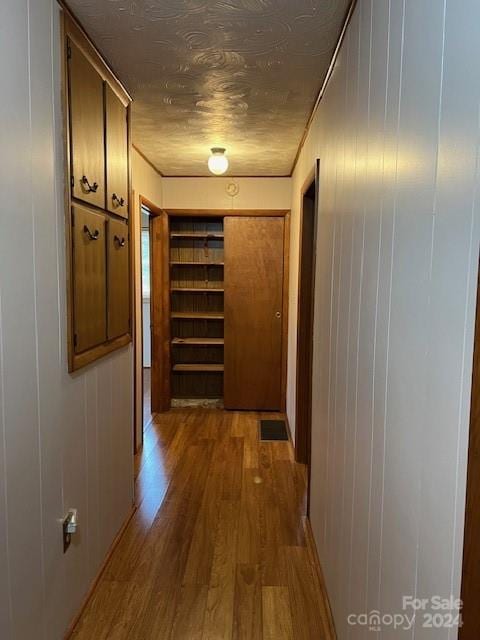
(218, 161)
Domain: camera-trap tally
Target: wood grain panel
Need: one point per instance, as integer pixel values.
(253, 312)
(116, 146)
(306, 294)
(471, 546)
(86, 129)
(277, 617)
(89, 268)
(118, 279)
(160, 311)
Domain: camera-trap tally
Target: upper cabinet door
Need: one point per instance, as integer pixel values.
(118, 279)
(89, 279)
(117, 154)
(86, 130)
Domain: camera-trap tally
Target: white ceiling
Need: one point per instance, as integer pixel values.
(240, 74)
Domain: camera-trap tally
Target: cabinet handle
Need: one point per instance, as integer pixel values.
(120, 241)
(120, 201)
(89, 188)
(93, 236)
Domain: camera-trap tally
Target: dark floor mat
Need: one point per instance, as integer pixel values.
(273, 430)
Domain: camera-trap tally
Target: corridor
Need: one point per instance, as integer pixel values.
(218, 546)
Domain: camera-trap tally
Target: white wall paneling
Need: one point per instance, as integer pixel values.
(64, 442)
(397, 134)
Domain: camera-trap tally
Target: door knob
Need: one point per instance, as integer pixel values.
(278, 314)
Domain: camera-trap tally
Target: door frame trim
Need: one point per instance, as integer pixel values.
(136, 252)
(304, 369)
(470, 571)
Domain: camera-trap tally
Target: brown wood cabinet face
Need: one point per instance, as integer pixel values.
(118, 280)
(116, 154)
(254, 265)
(471, 543)
(87, 152)
(89, 279)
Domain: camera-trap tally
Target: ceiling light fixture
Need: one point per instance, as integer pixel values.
(218, 161)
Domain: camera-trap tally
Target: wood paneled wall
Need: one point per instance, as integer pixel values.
(397, 134)
(65, 441)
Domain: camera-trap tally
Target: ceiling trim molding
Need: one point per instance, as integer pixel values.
(64, 6)
(321, 93)
(228, 176)
(149, 162)
(208, 213)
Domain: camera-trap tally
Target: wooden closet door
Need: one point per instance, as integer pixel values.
(253, 312)
(118, 280)
(117, 154)
(86, 129)
(90, 279)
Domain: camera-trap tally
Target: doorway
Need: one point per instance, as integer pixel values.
(147, 311)
(306, 289)
(470, 594)
(145, 245)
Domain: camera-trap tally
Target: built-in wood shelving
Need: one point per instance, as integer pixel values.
(199, 342)
(195, 290)
(198, 368)
(199, 263)
(196, 234)
(197, 345)
(196, 315)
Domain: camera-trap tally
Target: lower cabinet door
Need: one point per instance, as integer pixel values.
(118, 279)
(89, 279)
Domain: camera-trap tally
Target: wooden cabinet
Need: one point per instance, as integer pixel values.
(89, 285)
(116, 154)
(226, 299)
(118, 279)
(96, 109)
(253, 312)
(87, 153)
(196, 307)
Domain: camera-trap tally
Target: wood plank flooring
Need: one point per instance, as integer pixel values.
(218, 548)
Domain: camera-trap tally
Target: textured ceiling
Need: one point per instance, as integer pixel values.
(240, 74)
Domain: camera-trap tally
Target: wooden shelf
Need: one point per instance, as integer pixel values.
(184, 263)
(197, 234)
(198, 342)
(198, 368)
(196, 315)
(196, 350)
(195, 290)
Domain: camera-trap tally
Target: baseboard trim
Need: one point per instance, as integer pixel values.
(103, 566)
(315, 560)
(289, 431)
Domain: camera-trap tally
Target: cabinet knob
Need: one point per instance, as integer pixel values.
(89, 188)
(119, 201)
(278, 314)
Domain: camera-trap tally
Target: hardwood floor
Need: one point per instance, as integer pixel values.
(147, 397)
(218, 548)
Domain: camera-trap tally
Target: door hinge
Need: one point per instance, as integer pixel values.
(72, 181)
(69, 51)
(75, 341)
